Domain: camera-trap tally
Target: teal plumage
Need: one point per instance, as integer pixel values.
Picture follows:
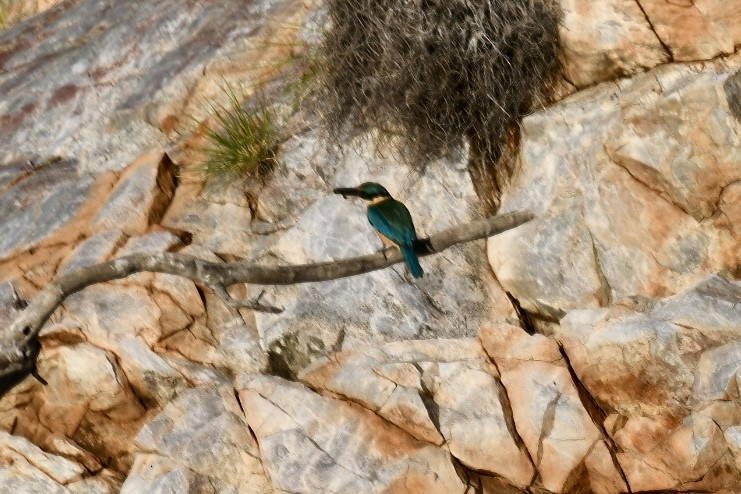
(391, 220)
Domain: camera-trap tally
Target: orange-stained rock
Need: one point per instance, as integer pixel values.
(695, 30)
(153, 379)
(671, 373)
(606, 40)
(437, 391)
(510, 346)
(182, 291)
(94, 250)
(633, 197)
(199, 439)
(87, 400)
(29, 460)
(551, 420)
(692, 456)
(314, 444)
(105, 481)
(637, 188)
(604, 477)
(109, 312)
(172, 317)
(656, 364)
(564, 443)
(732, 436)
(141, 195)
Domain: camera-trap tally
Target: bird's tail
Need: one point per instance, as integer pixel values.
(411, 260)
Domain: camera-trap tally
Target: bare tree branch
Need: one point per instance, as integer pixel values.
(19, 345)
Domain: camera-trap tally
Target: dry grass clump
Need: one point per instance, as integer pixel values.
(430, 73)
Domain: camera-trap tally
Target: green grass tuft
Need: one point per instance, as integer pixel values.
(242, 148)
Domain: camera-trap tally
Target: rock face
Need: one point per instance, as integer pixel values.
(443, 391)
(695, 31)
(633, 195)
(376, 383)
(607, 39)
(35, 470)
(556, 428)
(669, 377)
(199, 439)
(310, 443)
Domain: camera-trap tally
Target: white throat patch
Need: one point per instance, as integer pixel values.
(376, 200)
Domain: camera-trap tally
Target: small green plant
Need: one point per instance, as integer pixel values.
(242, 146)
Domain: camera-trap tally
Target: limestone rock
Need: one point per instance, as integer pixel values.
(149, 374)
(111, 312)
(279, 203)
(604, 478)
(698, 30)
(220, 337)
(692, 456)
(198, 375)
(154, 474)
(150, 243)
(88, 400)
(718, 374)
(155, 242)
(141, 195)
(606, 40)
(733, 439)
(94, 250)
(172, 317)
(630, 192)
(222, 227)
(385, 305)
(61, 445)
(647, 363)
(199, 438)
(182, 291)
(28, 460)
(104, 482)
(313, 444)
(102, 99)
(39, 203)
(548, 413)
(21, 9)
(637, 185)
(8, 304)
(656, 369)
(444, 390)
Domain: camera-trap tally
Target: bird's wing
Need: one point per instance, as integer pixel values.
(392, 219)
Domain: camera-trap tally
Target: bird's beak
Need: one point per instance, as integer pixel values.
(348, 191)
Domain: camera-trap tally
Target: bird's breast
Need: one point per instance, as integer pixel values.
(387, 242)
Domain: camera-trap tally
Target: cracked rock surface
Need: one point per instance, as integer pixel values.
(634, 184)
(378, 383)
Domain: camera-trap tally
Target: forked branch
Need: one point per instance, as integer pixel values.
(19, 344)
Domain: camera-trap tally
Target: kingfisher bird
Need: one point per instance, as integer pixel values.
(390, 219)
